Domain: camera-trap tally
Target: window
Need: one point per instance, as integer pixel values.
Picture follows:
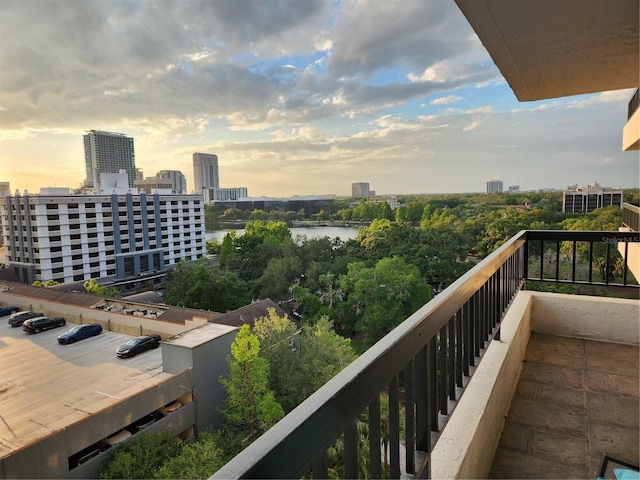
(72, 205)
(54, 228)
(78, 278)
(89, 205)
(75, 236)
(53, 217)
(76, 257)
(52, 206)
(73, 216)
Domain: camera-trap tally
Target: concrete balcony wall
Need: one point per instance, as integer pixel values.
(467, 444)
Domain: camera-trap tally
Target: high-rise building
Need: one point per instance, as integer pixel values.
(360, 190)
(176, 178)
(108, 152)
(69, 238)
(586, 199)
(495, 186)
(205, 173)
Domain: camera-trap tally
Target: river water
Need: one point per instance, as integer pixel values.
(343, 233)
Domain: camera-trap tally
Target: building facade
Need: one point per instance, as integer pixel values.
(228, 194)
(495, 186)
(360, 190)
(176, 177)
(70, 238)
(108, 152)
(586, 199)
(205, 173)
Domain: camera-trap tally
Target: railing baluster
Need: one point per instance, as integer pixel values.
(394, 429)
(591, 261)
(607, 264)
(423, 430)
(443, 371)
(351, 450)
(375, 425)
(573, 262)
(320, 467)
(541, 259)
(432, 371)
(467, 335)
(557, 260)
(460, 357)
(625, 263)
(409, 418)
(452, 356)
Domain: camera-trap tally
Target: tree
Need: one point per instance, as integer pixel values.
(140, 456)
(382, 297)
(278, 276)
(251, 408)
(201, 285)
(92, 286)
(198, 459)
(300, 362)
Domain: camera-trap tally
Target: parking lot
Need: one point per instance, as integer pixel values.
(45, 386)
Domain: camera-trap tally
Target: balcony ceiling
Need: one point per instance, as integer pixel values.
(556, 48)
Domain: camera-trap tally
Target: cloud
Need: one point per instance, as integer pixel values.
(446, 100)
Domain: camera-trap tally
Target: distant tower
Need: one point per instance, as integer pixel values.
(495, 186)
(177, 179)
(108, 152)
(205, 172)
(360, 190)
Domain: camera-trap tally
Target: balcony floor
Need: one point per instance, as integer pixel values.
(576, 401)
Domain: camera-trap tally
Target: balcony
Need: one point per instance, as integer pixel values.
(631, 130)
(451, 369)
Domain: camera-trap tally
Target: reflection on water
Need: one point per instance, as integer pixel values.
(343, 233)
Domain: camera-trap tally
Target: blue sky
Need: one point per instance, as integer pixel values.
(295, 98)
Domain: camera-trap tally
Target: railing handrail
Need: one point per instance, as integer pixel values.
(582, 236)
(345, 396)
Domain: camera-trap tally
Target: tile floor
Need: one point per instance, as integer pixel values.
(576, 401)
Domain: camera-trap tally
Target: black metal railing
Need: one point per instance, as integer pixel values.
(426, 361)
(633, 103)
(631, 216)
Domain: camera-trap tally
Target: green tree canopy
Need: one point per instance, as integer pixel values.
(251, 407)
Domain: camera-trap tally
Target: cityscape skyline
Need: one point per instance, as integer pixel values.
(298, 98)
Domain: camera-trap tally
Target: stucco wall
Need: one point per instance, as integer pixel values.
(593, 318)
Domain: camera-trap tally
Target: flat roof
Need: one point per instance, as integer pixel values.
(46, 387)
(199, 335)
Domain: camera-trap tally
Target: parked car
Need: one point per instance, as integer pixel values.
(17, 319)
(80, 332)
(4, 311)
(170, 407)
(118, 437)
(138, 345)
(143, 422)
(36, 325)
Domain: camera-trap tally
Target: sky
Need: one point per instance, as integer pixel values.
(296, 97)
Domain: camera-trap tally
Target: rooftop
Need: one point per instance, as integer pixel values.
(44, 387)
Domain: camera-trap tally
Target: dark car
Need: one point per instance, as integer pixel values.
(36, 325)
(138, 345)
(17, 319)
(4, 311)
(80, 332)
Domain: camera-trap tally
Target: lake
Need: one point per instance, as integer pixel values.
(343, 233)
